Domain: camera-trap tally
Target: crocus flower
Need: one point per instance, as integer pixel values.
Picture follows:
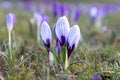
(46, 35)
(62, 30)
(101, 12)
(63, 9)
(10, 19)
(106, 8)
(93, 12)
(55, 9)
(27, 5)
(7, 5)
(47, 38)
(38, 20)
(99, 18)
(75, 15)
(45, 18)
(73, 39)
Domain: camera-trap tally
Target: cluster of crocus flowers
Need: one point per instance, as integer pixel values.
(65, 36)
(10, 20)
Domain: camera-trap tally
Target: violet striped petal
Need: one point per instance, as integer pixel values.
(62, 29)
(73, 39)
(46, 34)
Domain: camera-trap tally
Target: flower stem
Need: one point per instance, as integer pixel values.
(66, 61)
(9, 35)
(51, 58)
(9, 44)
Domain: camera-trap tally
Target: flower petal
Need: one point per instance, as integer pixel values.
(73, 39)
(38, 18)
(10, 21)
(46, 32)
(62, 29)
(74, 36)
(93, 12)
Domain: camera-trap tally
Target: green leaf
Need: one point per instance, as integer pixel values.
(63, 55)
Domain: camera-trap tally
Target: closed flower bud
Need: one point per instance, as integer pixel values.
(73, 39)
(62, 30)
(10, 21)
(46, 34)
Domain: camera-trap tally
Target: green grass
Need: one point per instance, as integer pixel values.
(98, 53)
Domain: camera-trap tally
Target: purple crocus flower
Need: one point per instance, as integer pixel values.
(10, 19)
(101, 13)
(7, 5)
(63, 9)
(106, 8)
(38, 18)
(45, 18)
(75, 15)
(27, 5)
(93, 12)
(46, 35)
(62, 30)
(14, 18)
(73, 39)
(99, 18)
(55, 8)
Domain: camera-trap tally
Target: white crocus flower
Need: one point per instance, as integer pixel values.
(73, 36)
(72, 41)
(47, 38)
(62, 29)
(46, 34)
